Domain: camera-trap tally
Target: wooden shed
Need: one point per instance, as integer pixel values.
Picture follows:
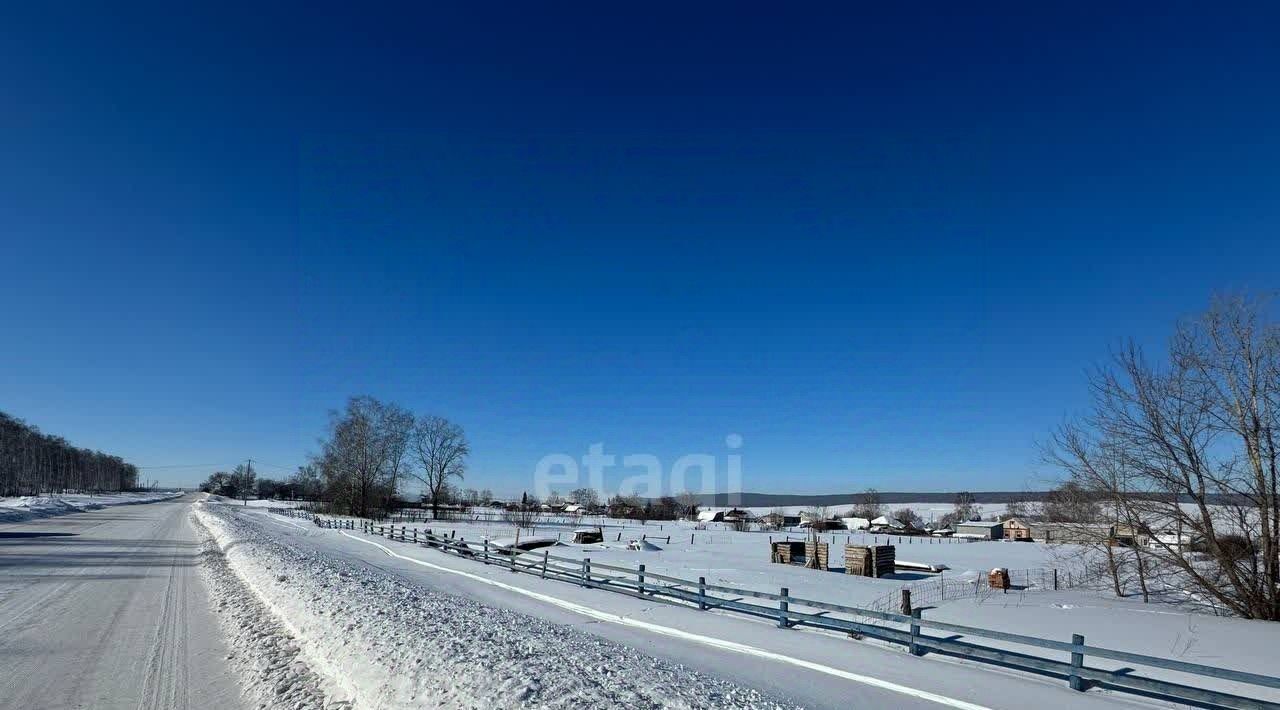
(586, 536)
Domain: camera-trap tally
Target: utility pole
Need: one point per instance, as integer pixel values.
(248, 479)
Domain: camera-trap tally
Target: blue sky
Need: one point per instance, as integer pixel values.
(881, 247)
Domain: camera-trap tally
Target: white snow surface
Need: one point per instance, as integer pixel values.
(377, 642)
(22, 508)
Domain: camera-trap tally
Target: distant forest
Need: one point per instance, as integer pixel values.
(33, 463)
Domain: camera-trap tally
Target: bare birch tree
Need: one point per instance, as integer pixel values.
(1187, 451)
(441, 449)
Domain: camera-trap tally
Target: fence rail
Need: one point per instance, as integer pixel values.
(907, 630)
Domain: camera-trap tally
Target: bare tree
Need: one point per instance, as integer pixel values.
(361, 458)
(908, 517)
(441, 448)
(965, 507)
(1187, 450)
(689, 503)
(867, 505)
(586, 497)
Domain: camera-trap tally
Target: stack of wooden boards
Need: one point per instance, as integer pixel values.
(869, 560)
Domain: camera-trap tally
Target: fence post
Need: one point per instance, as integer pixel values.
(415, 536)
(486, 550)
(915, 633)
(545, 555)
(782, 609)
(1055, 579)
(640, 577)
(1077, 662)
(702, 594)
(906, 602)
(586, 570)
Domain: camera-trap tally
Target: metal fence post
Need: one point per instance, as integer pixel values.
(915, 633)
(545, 555)
(702, 594)
(1055, 579)
(782, 609)
(640, 579)
(486, 550)
(586, 570)
(1077, 662)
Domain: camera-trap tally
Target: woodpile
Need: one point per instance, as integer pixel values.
(786, 551)
(815, 555)
(869, 560)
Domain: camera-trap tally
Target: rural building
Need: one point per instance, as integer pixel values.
(779, 520)
(980, 529)
(857, 523)
(1174, 540)
(1016, 529)
(1129, 535)
(1071, 533)
(710, 516)
(885, 521)
(823, 525)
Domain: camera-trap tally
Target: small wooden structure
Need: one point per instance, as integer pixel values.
(786, 551)
(998, 578)
(587, 536)
(815, 555)
(869, 560)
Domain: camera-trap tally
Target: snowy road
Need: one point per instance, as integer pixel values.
(106, 609)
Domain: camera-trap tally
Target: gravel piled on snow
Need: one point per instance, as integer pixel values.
(382, 643)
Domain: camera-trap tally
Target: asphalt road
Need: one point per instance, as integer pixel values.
(106, 609)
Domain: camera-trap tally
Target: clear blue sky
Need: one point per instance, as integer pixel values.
(883, 248)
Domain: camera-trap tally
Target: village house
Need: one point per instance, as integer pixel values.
(1016, 529)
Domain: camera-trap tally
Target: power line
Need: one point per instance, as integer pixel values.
(183, 465)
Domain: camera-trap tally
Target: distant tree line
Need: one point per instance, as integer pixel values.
(34, 463)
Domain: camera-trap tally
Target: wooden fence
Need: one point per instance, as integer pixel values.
(908, 631)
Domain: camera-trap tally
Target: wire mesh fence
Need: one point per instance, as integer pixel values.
(942, 588)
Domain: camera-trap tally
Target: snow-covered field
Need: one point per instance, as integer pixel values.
(14, 510)
(742, 559)
(824, 668)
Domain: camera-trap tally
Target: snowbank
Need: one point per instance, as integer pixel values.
(16, 510)
(382, 643)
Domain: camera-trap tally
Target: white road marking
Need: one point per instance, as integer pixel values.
(692, 637)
